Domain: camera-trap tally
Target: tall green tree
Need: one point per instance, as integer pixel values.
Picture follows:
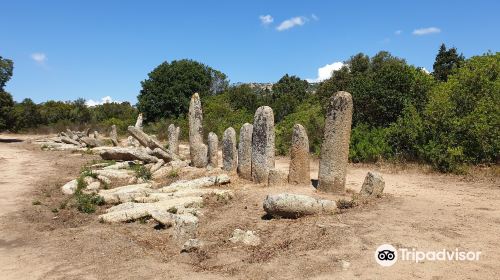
(287, 94)
(26, 114)
(6, 101)
(169, 87)
(447, 61)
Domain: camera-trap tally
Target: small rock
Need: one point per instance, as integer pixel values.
(373, 186)
(246, 237)
(191, 245)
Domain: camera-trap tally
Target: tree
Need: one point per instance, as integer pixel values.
(6, 101)
(287, 94)
(446, 62)
(381, 87)
(169, 87)
(26, 115)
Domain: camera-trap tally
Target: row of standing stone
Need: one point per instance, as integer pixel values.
(253, 157)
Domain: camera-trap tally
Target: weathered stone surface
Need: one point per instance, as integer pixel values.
(113, 135)
(246, 237)
(245, 152)
(277, 178)
(144, 139)
(191, 245)
(335, 147)
(138, 123)
(69, 187)
(165, 155)
(293, 205)
(91, 142)
(196, 183)
(104, 179)
(68, 140)
(173, 139)
(115, 173)
(120, 165)
(94, 186)
(131, 142)
(373, 186)
(298, 172)
(126, 154)
(132, 211)
(96, 134)
(213, 150)
(157, 166)
(262, 144)
(125, 193)
(198, 150)
(229, 152)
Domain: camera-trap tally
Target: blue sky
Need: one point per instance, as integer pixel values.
(91, 49)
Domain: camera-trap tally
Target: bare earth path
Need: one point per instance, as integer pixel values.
(20, 170)
(427, 211)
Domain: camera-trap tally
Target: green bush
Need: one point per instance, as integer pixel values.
(368, 144)
(310, 115)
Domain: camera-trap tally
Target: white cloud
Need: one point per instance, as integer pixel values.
(292, 22)
(398, 32)
(266, 20)
(313, 16)
(425, 70)
(426, 31)
(39, 58)
(105, 99)
(325, 72)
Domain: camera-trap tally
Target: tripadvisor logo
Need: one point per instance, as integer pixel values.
(387, 255)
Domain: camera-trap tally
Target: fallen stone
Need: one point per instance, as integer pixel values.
(125, 193)
(246, 237)
(126, 154)
(157, 166)
(70, 187)
(294, 205)
(121, 165)
(196, 183)
(133, 211)
(373, 186)
(144, 139)
(165, 155)
(68, 140)
(91, 142)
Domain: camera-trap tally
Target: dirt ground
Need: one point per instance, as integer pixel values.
(43, 237)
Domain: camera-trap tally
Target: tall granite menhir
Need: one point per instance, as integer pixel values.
(198, 150)
(262, 144)
(245, 152)
(213, 147)
(173, 139)
(335, 147)
(299, 157)
(229, 153)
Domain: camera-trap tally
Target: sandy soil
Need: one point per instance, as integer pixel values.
(42, 238)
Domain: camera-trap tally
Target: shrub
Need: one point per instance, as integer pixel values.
(368, 144)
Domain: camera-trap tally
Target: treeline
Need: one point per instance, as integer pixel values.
(449, 118)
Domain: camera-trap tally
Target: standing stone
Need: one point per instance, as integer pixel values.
(245, 152)
(335, 147)
(262, 144)
(96, 134)
(173, 139)
(229, 153)
(298, 172)
(114, 135)
(213, 147)
(198, 150)
(138, 123)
